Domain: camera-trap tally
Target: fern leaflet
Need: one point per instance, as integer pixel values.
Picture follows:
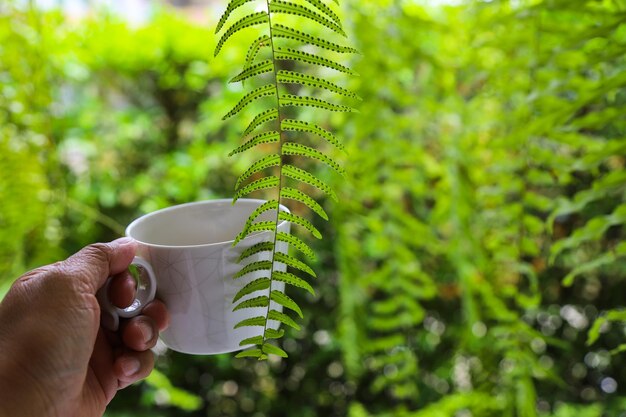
(245, 22)
(261, 118)
(289, 54)
(292, 77)
(287, 7)
(297, 101)
(282, 31)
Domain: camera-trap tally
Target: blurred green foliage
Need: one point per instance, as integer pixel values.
(475, 263)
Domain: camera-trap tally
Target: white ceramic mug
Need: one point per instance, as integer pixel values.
(188, 260)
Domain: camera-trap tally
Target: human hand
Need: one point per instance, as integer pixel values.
(55, 359)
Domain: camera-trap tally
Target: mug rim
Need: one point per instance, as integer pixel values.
(194, 203)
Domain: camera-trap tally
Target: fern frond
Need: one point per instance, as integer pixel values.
(256, 248)
(245, 22)
(300, 221)
(285, 301)
(294, 263)
(262, 301)
(292, 77)
(260, 165)
(306, 178)
(260, 184)
(282, 31)
(256, 285)
(256, 340)
(322, 7)
(273, 350)
(253, 267)
(254, 49)
(254, 67)
(268, 226)
(254, 321)
(232, 6)
(297, 195)
(274, 334)
(254, 70)
(290, 148)
(260, 139)
(301, 126)
(291, 279)
(297, 243)
(251, 353)
(287, 7)
(288, 54)
(253, 95)
(297, 101)
(283, 318)
(259, 119)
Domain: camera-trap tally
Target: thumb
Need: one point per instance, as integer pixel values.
(93, 264)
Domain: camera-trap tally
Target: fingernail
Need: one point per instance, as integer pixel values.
(146, 332)
(130, 366)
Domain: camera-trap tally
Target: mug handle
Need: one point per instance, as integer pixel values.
(146, 291)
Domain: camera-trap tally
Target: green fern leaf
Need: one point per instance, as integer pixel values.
(256, 285)
(254, 321)
(260, 184)
(294, 263)
(306, 178)
(232, 6)
(292, 77)
(254, 49)
(254, 70)
(297, 243)
(268, 205)
(282, 31)
(260, 139)
(283, 318)
(256, 340)
(286, 301)
(297, 101)
(290, 148)
(261, 301)
(251, 353)
(253, 267)
(300, 221)
(291, 279)
(245, 22)
(274, 334)
(288, 54)
(259, 119)
(266, 90)
(286, 7)
(273, 350)
(256, 248)
(319, 5)
(260, 165)
(297, 195)
(268, 226)
(301, 126)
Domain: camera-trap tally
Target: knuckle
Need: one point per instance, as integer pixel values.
(100, 251)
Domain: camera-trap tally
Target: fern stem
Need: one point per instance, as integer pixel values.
(280, 167)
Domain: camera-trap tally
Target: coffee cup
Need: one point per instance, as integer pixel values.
(185, 257)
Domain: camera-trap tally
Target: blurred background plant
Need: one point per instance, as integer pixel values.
(475, 263)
